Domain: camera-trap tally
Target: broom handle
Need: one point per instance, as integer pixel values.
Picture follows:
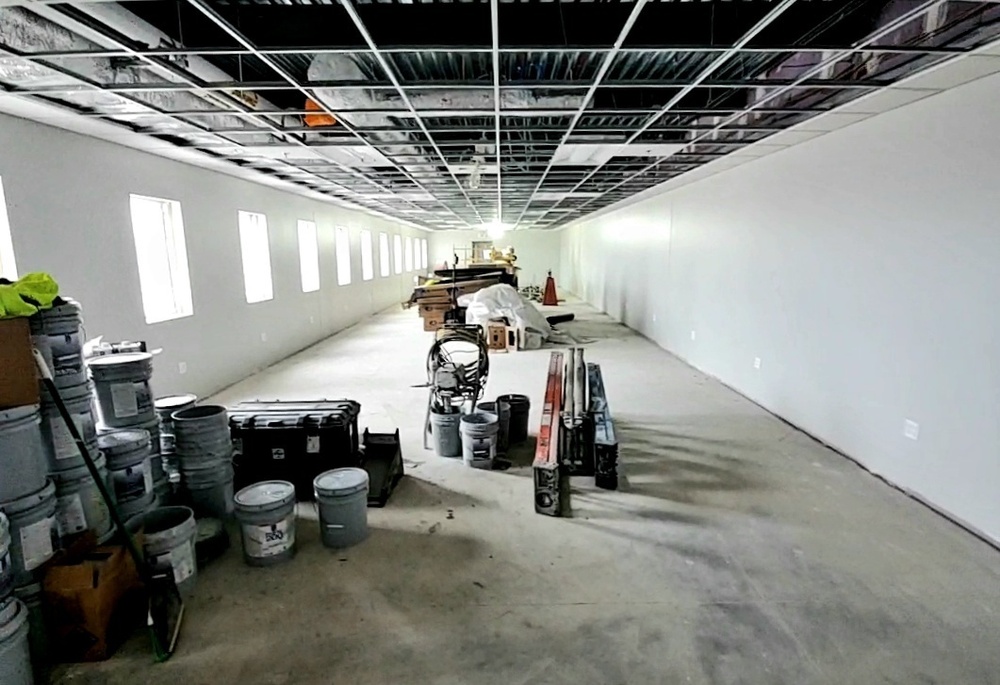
(43, 369)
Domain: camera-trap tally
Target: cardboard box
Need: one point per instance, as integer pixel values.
(93, 603)
(18, 379)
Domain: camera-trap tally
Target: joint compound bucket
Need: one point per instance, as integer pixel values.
(38, 635)
(210, 491)
(60, 446)
(15, 651)
(520, 409)
(122, 385)
(79, 505)
(57, 334)
(22, 456)
(342, 498)
(127, 454)
(33, 532)
(479, 439)
(165, 407)
(444, 431)
(135, 507)
(266, 512)
(6, 563)
(169, 535)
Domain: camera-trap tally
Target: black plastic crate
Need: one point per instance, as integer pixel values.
(293, 441)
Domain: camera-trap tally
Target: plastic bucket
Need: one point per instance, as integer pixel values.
(33, 532)
(129, 464)
(167, 405)
(57, 334)
(501, 409)
(22, 455)
(210, 491)
(266, 512)
(79, 505)
(59, 443)
(135, 507)
(169, 535)
(520, 409)
(6, 562)
(121, 382)
(479, 439)
(444, 432)
(342, 499)
(15, 651)
(38, 634)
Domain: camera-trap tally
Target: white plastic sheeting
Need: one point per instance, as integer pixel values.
(504, 301)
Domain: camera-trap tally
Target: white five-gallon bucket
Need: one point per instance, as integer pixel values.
(33, 531)
(61, 448)
(15, 652)
(169, 535)
(127, 454)
(22, 456)
(122, 385)
(79, 505)
(479, 439)
(342, 498)
(266, 512)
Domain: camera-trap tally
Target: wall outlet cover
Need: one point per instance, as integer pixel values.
(756, 362)
(693, 335)
(263, 337)
(911, 429)
(182, 367)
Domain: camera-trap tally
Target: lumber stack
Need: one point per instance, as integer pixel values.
(434, 298)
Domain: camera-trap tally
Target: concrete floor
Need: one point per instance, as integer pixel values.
(737, 551)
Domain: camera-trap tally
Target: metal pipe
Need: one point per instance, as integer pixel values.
(569, 386)
(579, 388)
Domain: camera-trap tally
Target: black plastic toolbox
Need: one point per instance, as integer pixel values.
(293, 441)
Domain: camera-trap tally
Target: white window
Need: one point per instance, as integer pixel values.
(161, 254)
(409, 254)
(423, 253)
(343, 256)
(367, 256)
(383, 255)
(8, 268)
(308, 256)
(397, 254)
(256, 257)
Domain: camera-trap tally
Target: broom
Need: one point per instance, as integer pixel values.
(166, 608)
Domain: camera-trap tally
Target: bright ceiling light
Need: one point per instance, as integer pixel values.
(496, 229)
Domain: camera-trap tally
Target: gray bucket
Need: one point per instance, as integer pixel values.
(166, 406)
(127, 454)
(15, 651)
(136, 507)
(520, 409)
(500, 409)
(169, 535)
(58, 335)
(38, 634)
(60, 446)
(6, 562)
(444, 431)
(22, 453)
(122, 385)
(342, 498)
(479, 439)
(33, 532)
(210, 491)
(79, 505)
(164, 491)
(266, 512)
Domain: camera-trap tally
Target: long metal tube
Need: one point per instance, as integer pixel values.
(569, 385)
(579, 389)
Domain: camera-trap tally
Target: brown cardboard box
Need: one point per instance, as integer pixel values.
(18, 380)
(92, 604)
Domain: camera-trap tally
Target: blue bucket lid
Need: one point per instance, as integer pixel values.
(341, 482)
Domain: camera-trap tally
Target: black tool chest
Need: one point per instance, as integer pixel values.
(293, 441)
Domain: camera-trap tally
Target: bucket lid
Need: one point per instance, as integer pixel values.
(478, 418)
(16, 507)
(123, 441)
(18, 414)
(268, 494)
(116, 360)
(341, 482)
(172, 402)
(199, 413)
(80, 472)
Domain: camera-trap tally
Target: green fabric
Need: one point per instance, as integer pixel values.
(26, 296)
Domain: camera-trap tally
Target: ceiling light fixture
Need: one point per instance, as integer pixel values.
(496, 229)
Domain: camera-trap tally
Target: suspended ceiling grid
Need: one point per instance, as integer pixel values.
(458, 114)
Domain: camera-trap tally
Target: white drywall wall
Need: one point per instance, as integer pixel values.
(862, 268)
(68, 203)
(537, 251)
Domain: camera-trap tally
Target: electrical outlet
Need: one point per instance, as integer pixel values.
(182, 367)
(263, 337)
(312, 319)
(654, 318)
(693, 335)
(911, 429)
(756, 363)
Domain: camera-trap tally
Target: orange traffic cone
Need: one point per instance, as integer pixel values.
(549, 297)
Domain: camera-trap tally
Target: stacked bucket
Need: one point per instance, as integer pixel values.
(129, 431)
(204, 451)
(15, 652)
(165, 407)
(480, 436)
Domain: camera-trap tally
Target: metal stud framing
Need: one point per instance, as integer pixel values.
(491, 125)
